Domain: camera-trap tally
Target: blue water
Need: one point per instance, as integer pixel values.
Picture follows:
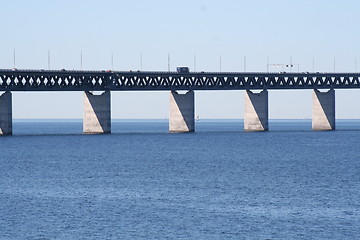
(143, 183)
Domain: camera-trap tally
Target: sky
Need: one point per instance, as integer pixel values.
(312, 33)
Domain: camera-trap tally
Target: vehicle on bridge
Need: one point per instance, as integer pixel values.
(183, 69)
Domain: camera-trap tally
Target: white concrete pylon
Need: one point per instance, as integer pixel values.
(182, 112)
(97, 113)
(323, 110)
(256, 115)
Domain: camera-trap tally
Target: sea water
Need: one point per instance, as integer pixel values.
(141, 182)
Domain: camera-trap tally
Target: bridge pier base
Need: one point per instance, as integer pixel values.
(182, 112)
(97, 113)
(256, 116)
(6, 113)
(323, 110)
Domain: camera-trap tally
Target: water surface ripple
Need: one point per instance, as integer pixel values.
(143, 183)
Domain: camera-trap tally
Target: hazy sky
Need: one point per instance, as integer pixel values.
(302, 29)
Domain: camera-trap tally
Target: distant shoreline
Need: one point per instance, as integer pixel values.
(164, 120)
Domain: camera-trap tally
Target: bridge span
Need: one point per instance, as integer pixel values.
(97, 107)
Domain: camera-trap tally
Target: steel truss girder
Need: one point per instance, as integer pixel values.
(39, 80)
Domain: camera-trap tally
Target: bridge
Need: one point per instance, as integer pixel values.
(97, 107)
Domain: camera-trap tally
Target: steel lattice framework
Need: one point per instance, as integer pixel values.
(40, 80)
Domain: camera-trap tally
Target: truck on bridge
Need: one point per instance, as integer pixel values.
(183, 69)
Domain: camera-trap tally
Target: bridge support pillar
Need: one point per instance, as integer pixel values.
(97, 113)
(6, 113)
(182, 112)
(323, 110)
(256, 116)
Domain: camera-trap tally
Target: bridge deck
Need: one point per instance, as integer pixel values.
(64, 80)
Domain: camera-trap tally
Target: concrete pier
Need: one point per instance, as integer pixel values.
(182, 112)
(323, 110)
(97, 113)
(256, 117)
(6, 113)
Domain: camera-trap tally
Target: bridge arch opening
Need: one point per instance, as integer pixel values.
(139, 105)
(347, 104)
(219, 105)
(32, 109)
(290, 104)
(47, 105)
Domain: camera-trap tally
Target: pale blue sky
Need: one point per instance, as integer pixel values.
(233, 29)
